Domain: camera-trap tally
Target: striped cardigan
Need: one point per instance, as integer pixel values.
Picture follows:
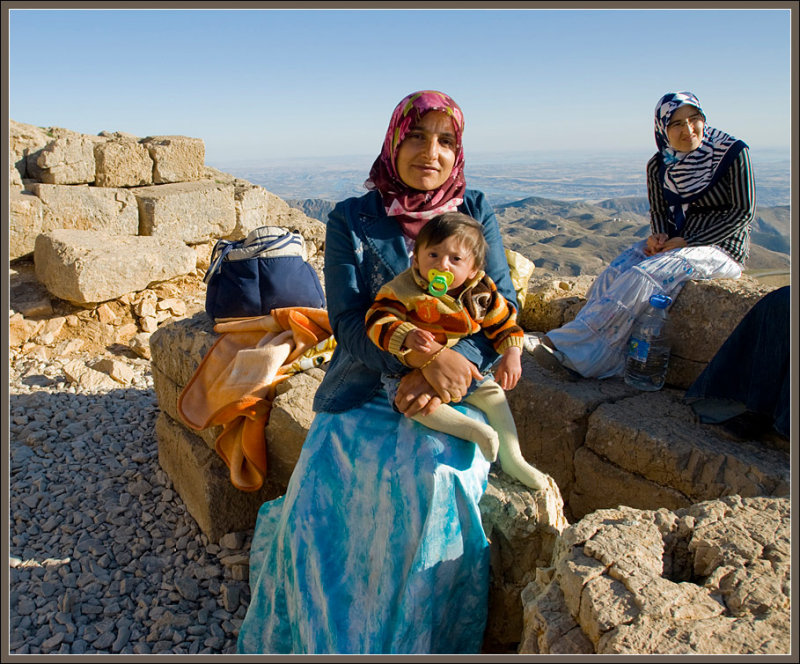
(721, 216)
(404, 304)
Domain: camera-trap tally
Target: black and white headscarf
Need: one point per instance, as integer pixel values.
(685, 176)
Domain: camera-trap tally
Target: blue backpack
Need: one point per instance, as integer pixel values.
(265, 271)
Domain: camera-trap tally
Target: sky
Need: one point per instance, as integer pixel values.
(264, 85)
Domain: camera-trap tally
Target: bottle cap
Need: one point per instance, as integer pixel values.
(438, 282)
(660, 301)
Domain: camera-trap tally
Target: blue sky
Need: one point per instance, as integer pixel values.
(265, 85)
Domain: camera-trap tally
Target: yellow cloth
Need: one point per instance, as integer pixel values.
(521, 269)
(235, 383)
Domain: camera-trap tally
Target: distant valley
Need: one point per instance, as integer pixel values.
(586, 209)
(571, 238)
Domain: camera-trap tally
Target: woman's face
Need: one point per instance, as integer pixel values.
(426, 156)
(685, 129)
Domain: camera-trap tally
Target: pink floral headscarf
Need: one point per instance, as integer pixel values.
(411, 207)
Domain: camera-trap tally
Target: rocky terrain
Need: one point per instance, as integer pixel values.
(106, 556)
(573, 238)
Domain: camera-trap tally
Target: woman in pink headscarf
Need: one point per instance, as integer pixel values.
(377, 546)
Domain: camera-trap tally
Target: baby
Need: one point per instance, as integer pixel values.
(443, 297)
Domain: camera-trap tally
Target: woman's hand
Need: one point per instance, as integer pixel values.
(655, 244)
(415, 395)
(674, 243)
(445, 379)
(451, 374)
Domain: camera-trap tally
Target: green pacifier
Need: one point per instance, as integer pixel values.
(438, 282)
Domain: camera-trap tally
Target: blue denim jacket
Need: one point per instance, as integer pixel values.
(363, 250)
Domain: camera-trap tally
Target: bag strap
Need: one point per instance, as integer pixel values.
(221, 249)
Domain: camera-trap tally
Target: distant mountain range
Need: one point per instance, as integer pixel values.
(571, 238)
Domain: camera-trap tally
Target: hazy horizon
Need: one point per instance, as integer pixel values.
(504, 177)
(284, 83)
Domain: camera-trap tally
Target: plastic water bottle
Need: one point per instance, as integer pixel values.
(648, 347)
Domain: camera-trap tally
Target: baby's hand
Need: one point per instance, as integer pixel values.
(509, 369)
(419, 340)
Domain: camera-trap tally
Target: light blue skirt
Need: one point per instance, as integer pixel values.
(377, 545)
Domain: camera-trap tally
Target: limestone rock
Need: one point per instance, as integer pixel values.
(551, 303)
(203, 482)
(519, 542)
(21, 330)
(289, 421)
(25, 223)
(140, 344)
(122, 163)
(702, 317)
(607, 444)
(85, 267)
(279, 213)
(252, 205)
(551, 414)
(116, 369)
(177, 348)
(14, 178)
(67, 160)
(255, 207)
(648, 451)
(176, 158)
(192, 212)
(23, 140)
(76, 371)
(712, 578)
(88, 208)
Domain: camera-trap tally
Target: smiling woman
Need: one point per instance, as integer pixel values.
(377, 546)
(702, 200)
(425, 158)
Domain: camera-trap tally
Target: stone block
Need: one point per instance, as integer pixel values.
(176, 158)
(67, 160)
(167, 393)
(14, 178)
(25, 223)
(702, 317)
(178, 347)
(653, 440)
(86, 267)
(290, 416)
(23, 140)
(255, 207)
(551, 303)
(279, 213)
(203, 482)
(600, 484)
(88, 208)
(552, 414)
(192, 212)
(252, 208)
(289, 421)
(122, 163)
(519, 543)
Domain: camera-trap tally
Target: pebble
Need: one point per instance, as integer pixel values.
(104, 557)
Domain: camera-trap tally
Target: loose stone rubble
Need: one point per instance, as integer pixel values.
(104, 556)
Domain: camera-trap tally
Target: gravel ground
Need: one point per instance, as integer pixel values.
(104, 557)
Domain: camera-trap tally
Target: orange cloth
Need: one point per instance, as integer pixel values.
(235, 383)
